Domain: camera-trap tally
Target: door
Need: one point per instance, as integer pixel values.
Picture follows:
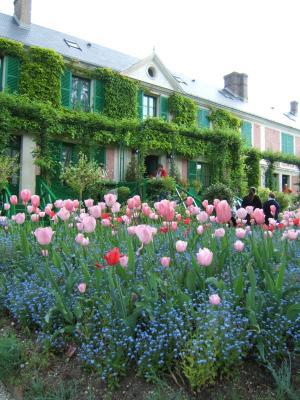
(151, 163)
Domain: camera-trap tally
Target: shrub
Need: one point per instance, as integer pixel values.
(158, 188)
(11, 356)
(218, 191)
(284, 200)
(132, 170)
(123, 193)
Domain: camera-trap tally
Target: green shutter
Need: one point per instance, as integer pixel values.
(66, 85)
(164, 107)
(140, 103)
(192, 170)
(247, 133)
(203, 120)
(98, 96)
(98, 154)
(287, 143)
(12, 74)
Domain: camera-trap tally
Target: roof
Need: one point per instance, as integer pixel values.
(219, 96)
(90, 53)
(97, 55)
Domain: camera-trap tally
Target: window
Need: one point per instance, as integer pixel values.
(203, 120)
(80, 95)
(287, 143)
(72, 44)
(247, 133)
(151, 72)
(149, 106)
(66, 154)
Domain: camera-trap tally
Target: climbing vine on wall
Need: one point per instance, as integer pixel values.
(120, 94)
(40, 77)
(10, 47)
(183, 110)
(224, 119)
(252, 167)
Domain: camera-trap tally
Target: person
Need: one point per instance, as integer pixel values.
(161, 172)
(286, 189)
(253, 200)
(267, 208)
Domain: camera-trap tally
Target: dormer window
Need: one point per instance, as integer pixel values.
(72, 44)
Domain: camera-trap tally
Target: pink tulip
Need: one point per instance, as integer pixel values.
(19, 218)
(189, 201)
(259, 216)
(105, 222)
(273, 210)
(239, 246)
(115, 208)
(219, 232)
(110, 199)
(30, 209)
(212, 218)
(89, 224)
(95, 211)
(123, 261)
(13, 200)
(125, 219)
(205, 203)
(145, 233)
(216, 202)
(75, 204)
(209, 209)
(165, 261)
(68, 204)
(202, 217)
(200, 230)
(58, 204)
(25, 195)
(214, 299)
(249, 210)
(223, 212)
(165, 209)
(241, 213)
(85, 242)
(181, 246)
(44, 235)
(82, 287)
(63, 214)
(89, 203)
(131, 203)
(204, 257)
(292, 234)
(137, 201)
(174, 226)
(35, 200)
(42, 214)
(146, 210)
(178, 217)
(240, 233)
(35, 217)
(79, 237)
(6, 206)
(131, 230)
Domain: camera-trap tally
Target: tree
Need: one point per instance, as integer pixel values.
(83, 175)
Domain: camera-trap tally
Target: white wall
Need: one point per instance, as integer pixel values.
(27, 172)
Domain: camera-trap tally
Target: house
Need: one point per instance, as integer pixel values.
(264, 129)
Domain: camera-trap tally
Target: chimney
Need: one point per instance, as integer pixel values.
(237, 84)
(22, 13)
(294, 108)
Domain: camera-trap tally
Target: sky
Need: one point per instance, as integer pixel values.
(204, 40)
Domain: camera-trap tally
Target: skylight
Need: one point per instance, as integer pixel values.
(72, 44)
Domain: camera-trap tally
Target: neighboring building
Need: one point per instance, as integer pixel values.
(263, 129)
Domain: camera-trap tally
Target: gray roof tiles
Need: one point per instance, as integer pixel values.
(97, 55)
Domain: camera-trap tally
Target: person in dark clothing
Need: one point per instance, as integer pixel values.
(253, 200)
(268, 210)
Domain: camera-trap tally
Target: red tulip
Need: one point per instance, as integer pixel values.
(113, 256)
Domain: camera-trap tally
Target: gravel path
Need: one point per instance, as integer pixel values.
(3, 393)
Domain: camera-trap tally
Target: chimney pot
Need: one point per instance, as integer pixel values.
(294, 108)
(237, 84)
(22, 12)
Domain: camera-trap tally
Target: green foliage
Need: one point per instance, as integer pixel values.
(8, 167)
(183, 110)
(132, 170)
(123, 194)
(174, 172)
(120, 94)
(11, 48)
(224, 119)
(218, 191)
(283, 199)
(83, 175)
(11, 356)
(252, 167)
(160, 187)
(41, 75)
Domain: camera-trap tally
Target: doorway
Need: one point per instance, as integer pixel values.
(285, 181)
(151, 163)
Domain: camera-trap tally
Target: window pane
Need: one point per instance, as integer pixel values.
(74, 92)
(149, 106)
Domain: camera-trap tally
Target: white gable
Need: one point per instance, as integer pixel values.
(152, 70)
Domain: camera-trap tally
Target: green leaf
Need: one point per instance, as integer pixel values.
(293, 311)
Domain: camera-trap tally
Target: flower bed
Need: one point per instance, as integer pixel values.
(158, 289)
